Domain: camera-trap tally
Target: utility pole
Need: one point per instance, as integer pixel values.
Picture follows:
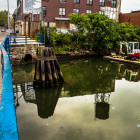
(8, 16)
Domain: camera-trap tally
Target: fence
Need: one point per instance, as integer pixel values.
(26, 39)
(8, 124)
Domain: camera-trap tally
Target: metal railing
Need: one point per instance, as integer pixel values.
(26, 39)
(8, 123)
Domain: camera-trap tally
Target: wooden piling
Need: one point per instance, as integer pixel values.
(47, 70)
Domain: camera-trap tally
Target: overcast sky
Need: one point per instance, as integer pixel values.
(126, 6)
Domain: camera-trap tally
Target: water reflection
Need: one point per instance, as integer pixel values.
(130, 73)
(102, 105)
(45, 99)
(113, 87)
(82, 78)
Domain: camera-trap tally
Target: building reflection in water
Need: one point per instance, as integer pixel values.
(45, 99)
(130, 73)
(101, 85)
(102, 100)
(102, 105)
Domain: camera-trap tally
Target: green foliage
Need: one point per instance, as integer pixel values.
(4, 18)
(63, 42)
(129, 32)
(79, 21)
(100, 32)
(63, 39)
(60, 49)
(11, 22)
(94, 31)
(52, 35)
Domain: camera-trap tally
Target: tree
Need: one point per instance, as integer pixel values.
(11, 20)
(4, 18)
(101, 31)
(79, 21)
(128, 32)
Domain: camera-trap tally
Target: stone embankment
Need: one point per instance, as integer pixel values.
(24, 54)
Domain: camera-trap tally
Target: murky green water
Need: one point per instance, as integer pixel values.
(100, 100)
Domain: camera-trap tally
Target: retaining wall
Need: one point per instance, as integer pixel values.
(22, 54)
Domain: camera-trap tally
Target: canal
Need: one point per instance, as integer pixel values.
(100, 100)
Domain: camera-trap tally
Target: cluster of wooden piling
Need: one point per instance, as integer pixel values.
(47, 70)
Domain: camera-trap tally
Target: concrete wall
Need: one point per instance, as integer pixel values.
(19, 52)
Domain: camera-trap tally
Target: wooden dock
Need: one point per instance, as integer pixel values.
(121, 59)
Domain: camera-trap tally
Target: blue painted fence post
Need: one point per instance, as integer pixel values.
(25, 39)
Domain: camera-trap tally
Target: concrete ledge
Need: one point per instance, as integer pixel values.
(122, 60)
(74, 56)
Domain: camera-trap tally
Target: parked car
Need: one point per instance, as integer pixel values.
(72, 31)
(3, 30)
(63, 31)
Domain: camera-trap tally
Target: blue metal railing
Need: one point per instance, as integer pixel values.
(8, 123)
(25, 39)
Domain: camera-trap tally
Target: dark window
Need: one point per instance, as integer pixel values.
(76, 11)
(89, 2)
(113, 3)
(102, 2)
(45, 0)
(76, 1)
(62, 11)
(44, 11)
(136, 46)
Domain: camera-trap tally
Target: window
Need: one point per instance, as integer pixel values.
(102, 12)
(76, 11)
(88, 11)
(44, 11)
(45, 0)
(76, 1)
(113, 3)
(62, 0)
(62, 11)
(136, 45)
(102, 2)
(130, 48)
(89, 2)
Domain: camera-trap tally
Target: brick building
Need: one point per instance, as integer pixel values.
(133, 17)
(57, 11)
